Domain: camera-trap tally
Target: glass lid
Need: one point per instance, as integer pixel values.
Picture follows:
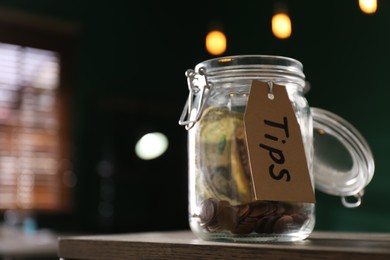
(343, 162)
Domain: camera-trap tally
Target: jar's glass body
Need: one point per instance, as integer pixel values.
(221, 199)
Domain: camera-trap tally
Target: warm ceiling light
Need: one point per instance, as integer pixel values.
(216, 42)
(368, 6)
(281, 25)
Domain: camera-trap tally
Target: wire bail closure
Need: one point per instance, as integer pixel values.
(355, 202)
(198, 87)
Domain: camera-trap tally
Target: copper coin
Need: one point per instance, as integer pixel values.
(245, 226)
(223, 204)
(299, 218)
(283, 224)
(280, 209)
(227, 218)
(269, 225)
(261, 209)
(208, 211)
(243, 211)
(260, 225)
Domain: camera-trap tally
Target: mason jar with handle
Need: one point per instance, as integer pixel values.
(257, 151)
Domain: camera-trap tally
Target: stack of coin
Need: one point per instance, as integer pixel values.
(260, 216)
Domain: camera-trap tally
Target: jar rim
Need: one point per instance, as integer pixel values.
(252, 61)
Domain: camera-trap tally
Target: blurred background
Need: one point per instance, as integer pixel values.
(82, 81)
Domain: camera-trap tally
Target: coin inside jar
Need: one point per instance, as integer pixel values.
(260, 217)
(208, 210)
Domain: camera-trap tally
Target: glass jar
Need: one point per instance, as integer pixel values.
(222, 203)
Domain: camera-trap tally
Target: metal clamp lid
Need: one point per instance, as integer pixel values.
(343, 163)
(198, 86)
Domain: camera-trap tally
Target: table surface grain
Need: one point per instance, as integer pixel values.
(184, 245)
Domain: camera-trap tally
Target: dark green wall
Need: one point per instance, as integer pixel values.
(129, 75)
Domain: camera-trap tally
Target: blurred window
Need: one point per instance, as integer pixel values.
(35, 63)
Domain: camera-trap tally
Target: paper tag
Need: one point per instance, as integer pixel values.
(275, 147)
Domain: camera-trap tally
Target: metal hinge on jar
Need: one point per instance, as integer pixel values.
(198, 86)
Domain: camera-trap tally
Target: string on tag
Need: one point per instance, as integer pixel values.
(270, 91)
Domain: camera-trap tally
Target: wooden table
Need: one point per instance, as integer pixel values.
(184, 245)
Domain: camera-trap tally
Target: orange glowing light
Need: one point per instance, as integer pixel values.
(368, 6)
(216, 42)
(281, 26)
